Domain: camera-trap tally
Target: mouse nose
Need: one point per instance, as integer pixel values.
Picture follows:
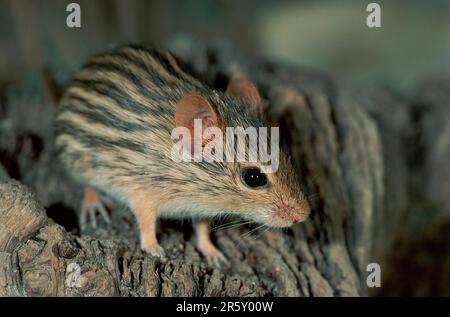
(293, 213)
(299, 216)
(303, 212)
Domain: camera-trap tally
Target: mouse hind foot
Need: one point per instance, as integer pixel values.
(91, 205)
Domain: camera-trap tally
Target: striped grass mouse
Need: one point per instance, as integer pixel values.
(114, 127)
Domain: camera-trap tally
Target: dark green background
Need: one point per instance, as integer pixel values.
(414, 39)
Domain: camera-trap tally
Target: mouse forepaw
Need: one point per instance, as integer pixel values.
(216, 259)
(207, 248)
(154, 250)
(212, 255)
(90, 207)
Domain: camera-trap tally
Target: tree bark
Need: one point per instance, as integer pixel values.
(341, 160)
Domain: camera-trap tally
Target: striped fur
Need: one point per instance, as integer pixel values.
(113, 133)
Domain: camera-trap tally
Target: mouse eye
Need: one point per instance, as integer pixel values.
(253, 177)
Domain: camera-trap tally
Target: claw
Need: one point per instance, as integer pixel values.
(215, 258)
(101, 208)
(89, 208)
(156, 251)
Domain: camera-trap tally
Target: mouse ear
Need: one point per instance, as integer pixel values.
(245, 90)
(193, 107)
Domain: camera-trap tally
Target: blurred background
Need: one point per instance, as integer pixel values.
(329, 36)
(414, 39)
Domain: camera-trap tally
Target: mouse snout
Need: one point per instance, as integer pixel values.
(287, 214)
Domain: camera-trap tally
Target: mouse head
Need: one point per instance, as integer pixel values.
(241, 187)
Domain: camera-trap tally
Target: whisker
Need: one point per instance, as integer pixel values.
(227, 223)
(261, 234)
(242, 236)
(230, 226)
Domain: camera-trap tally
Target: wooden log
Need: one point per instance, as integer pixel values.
(336, 147)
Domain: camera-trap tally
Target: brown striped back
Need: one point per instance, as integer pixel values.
(118, 110)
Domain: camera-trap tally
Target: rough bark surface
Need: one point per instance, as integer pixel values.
(341, 158)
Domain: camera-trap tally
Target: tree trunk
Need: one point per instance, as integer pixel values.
(341, 160)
